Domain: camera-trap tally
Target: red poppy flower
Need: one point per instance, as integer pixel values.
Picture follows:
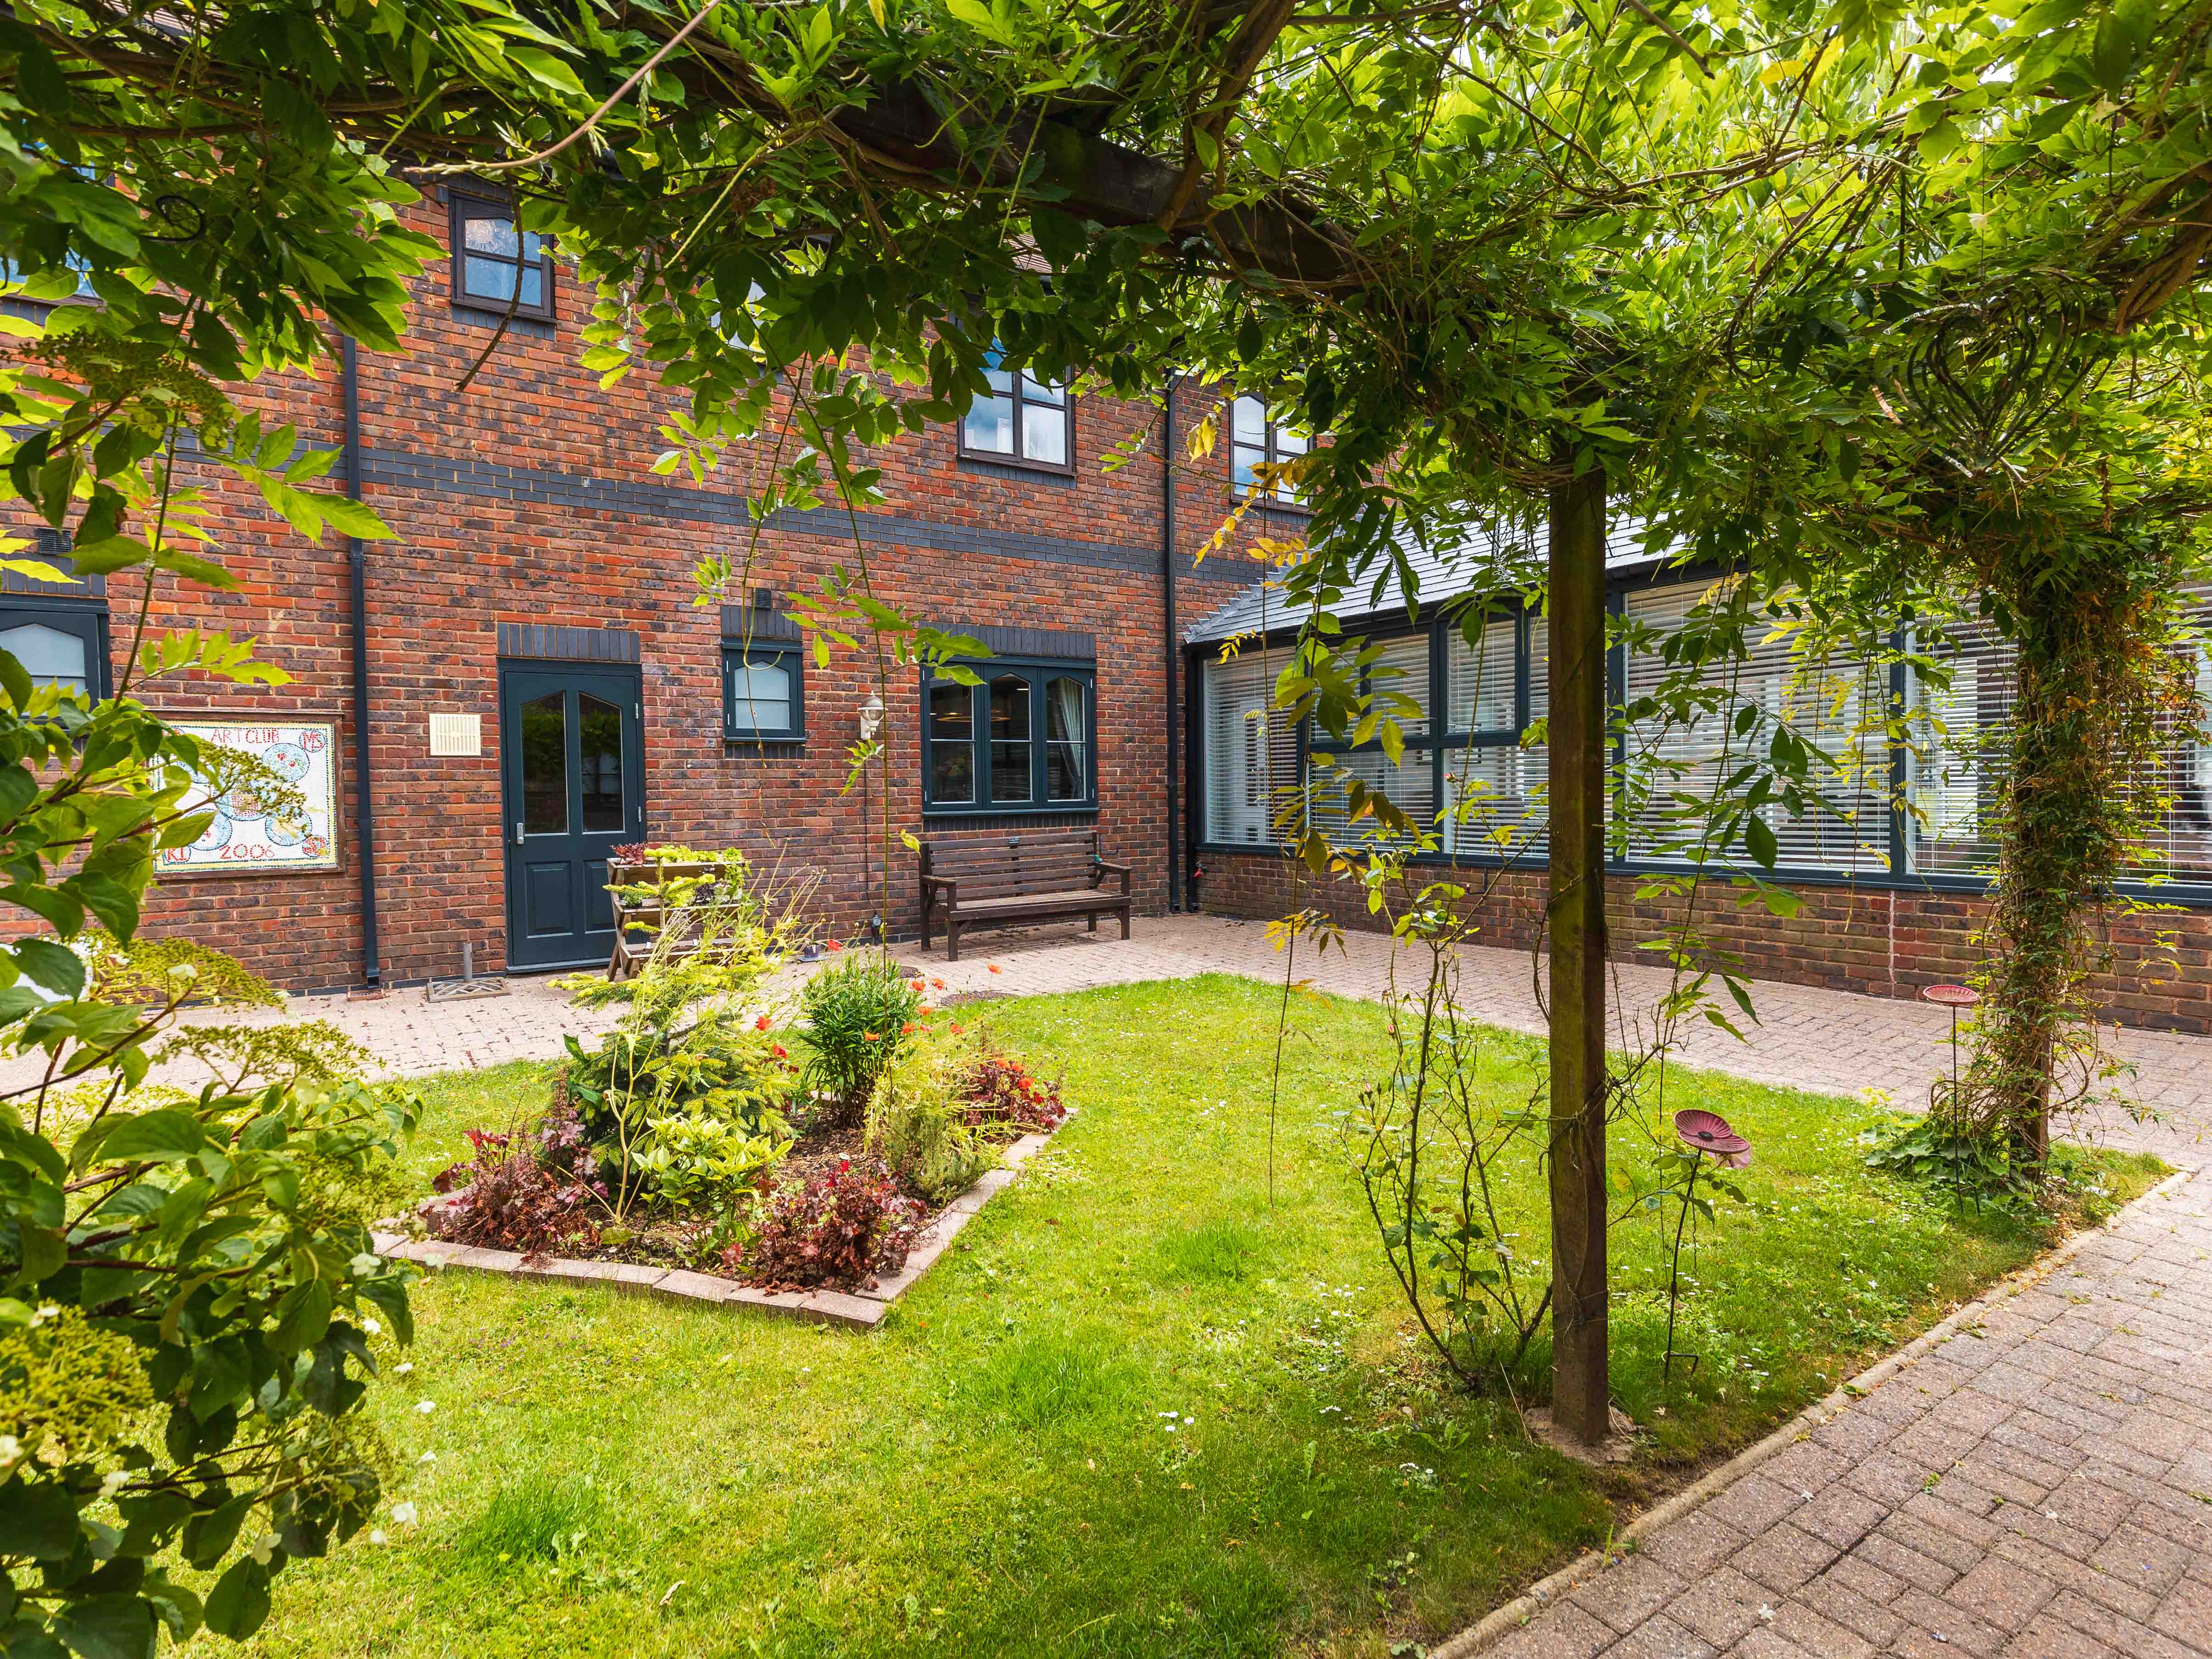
(780, 1052)
(914, 985)
(908, 1028)
(835, 944)
(937, 985)
(958, 1029)
(996, 968)
(871, 1037)
(762, 1024)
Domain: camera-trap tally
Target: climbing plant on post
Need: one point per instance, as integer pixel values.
(1977, 373)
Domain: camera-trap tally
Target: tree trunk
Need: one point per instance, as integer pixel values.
(1581, 1398)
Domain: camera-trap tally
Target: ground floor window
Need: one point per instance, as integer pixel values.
(762, 696)
(1024, 738)
(1250, 748)
(62, 643)
(1907, 775)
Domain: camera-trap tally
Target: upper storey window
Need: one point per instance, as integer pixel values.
(1025, 420)
(497, 266)
(1256, 442)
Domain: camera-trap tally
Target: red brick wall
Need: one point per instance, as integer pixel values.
(529, 547)
(1880, 941)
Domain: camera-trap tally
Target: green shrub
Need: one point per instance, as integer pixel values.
(689, 1080)
(190, 1302)
(696, 1161)
(918, 1120)
(858, 1012)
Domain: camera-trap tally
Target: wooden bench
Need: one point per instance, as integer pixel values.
(1009, 880)
(652, 913)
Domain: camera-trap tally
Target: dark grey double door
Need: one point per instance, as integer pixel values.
(572, 780)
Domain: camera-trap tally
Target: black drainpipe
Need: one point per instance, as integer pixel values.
(1174, 647)
(350, 378)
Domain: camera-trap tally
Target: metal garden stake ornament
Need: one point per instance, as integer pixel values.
(1954, 997)
(1704, 1134)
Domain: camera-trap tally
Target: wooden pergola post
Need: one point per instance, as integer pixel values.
(1575, 911)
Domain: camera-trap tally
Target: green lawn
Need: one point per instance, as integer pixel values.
(993, 1471)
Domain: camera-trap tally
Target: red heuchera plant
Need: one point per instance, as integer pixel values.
(841, 1227)
(999, 1089)
(534, 1197)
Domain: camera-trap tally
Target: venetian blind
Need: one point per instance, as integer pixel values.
(1836, 702)
(1251, 749)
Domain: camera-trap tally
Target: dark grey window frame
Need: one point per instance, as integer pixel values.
(785, 654)
(481, 202)
(1014, 456)
(86, 618)
(1262, 495)
(1439, 742)
(1898, 878)
(1038, 672)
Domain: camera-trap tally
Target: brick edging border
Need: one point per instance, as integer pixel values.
(862, 1309)
(1495, 1627)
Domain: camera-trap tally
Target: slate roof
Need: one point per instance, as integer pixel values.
(1439, 574)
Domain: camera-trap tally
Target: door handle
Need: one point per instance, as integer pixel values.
(517, 832)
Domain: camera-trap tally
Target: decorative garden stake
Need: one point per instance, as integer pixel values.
(1706, 1134)
(1954, 997)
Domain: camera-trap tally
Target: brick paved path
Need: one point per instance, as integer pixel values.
(2039, 1485)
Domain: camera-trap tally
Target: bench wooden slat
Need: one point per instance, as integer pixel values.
(1054, 881)
(1078, 896)
(1016, 876)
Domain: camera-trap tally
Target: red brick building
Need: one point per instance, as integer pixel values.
(1890, 875)
(541, 588)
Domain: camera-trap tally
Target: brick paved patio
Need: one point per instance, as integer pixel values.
(2037, 1483)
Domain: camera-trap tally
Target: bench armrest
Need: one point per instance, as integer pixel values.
(1109, 865)
(949, 882)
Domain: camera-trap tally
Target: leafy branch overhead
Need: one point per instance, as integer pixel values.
(1449, 234)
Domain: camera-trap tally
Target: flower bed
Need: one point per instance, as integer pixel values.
(701, 1141)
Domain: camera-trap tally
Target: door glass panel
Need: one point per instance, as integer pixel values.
(1010, 739)
(1067, 738)
(47, 654)
(601, 724)
(951, 745)
(546, 765)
